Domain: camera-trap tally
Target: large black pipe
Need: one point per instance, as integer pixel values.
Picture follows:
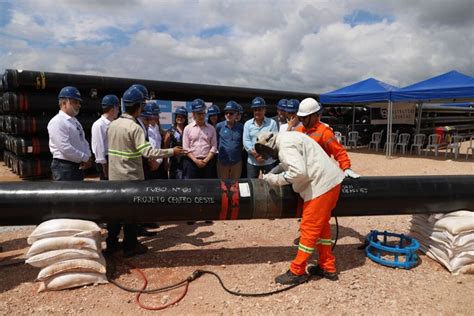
(166, 90)
(23, 203)
(39, 102)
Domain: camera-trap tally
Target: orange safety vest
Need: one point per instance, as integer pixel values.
(324, 136)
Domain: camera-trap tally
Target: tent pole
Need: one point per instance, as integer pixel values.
(418, 123)
(389, 129)
(353, 117)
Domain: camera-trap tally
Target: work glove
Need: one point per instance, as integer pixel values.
(277, 169)
(351, 174)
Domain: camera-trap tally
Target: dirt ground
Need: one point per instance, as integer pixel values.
(248, 255)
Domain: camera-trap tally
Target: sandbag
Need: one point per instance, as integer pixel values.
(455, 225)
(51, 257)
(56, 243)
(74, 265)
(71, 280)
(63, 227)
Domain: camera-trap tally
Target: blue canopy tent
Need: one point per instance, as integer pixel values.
(366, 91)
(450, 86)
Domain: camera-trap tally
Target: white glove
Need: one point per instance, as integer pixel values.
(277, 169)
(351, 174)
(271, 179)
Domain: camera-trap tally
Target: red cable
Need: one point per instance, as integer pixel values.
(145, 283)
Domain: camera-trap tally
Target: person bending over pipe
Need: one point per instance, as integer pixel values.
(317, 179)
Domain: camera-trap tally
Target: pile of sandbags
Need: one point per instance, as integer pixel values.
(69, 253)
(447, 238)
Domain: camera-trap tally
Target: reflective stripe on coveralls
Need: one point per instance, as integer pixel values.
(315, 225)
(135, 154)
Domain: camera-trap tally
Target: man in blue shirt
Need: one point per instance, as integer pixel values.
(229, 138)
(253, 127)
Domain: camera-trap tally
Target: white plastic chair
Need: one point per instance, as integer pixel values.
(375, 140)
(353, 139)
(471, 147)
(433, 143)
(418, 142)
(340, 138)
(393, 140)
(403, 141)
(454, 146)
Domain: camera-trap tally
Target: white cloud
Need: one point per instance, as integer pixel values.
(282, 44)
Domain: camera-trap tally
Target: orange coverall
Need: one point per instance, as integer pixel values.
(325, 137)
(320, 209)
(315, 230)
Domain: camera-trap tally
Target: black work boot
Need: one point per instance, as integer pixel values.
(317, 270)
(288, 278)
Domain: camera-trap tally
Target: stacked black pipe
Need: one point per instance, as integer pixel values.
(447, 120)
(25, 111)
(29, 101)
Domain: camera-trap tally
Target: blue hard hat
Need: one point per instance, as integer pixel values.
(142, 89)
(70, 93)
(181, 111)
(110, 100)
(133, 95)
(241, 108)
(258, 102)
(232, 106)
(151, 109)
(292, 106)
(213, 110)
(281, 105)
(198, 105)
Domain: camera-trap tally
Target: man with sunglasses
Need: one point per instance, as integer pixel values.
(229, 138)
(67, 143)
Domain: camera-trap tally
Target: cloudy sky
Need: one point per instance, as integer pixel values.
(313, 46)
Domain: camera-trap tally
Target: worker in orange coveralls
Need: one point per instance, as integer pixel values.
(317, 179)
(309, 114)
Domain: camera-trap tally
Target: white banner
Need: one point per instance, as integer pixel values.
(403, 113)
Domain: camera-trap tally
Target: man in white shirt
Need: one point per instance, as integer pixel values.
(152, 108)
(67, 142)
(110, 108)
(317, 179)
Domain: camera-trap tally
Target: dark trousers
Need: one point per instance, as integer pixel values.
(129, 235)
(191, 171)
(253, 171)
(64, 170)
(176, 167)
(100, 170)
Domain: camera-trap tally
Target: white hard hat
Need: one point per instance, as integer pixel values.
(308, 106)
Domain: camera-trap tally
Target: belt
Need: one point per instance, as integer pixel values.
(67, 162)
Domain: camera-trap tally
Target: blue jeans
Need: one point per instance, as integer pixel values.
(253, 171)
(63, 170)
